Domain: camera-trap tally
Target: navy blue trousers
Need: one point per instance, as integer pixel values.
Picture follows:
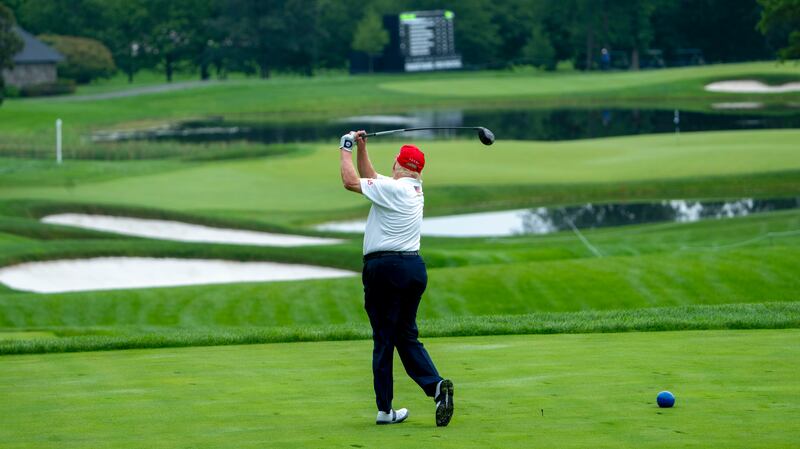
(393, 287)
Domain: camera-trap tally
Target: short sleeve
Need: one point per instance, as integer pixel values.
(382, 191)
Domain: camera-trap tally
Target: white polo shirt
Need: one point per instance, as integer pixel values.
(395, 218)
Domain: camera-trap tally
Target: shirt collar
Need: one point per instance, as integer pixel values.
(410, 180)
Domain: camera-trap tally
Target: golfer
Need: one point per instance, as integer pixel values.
(394, 274)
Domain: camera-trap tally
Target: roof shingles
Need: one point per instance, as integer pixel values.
(34, 50)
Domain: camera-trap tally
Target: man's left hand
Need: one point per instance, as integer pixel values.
(347, 142)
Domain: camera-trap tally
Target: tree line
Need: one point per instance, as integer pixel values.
(260, 37)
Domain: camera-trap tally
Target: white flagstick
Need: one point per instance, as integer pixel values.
(58, 141)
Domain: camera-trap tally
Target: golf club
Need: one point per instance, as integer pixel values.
(484, 134)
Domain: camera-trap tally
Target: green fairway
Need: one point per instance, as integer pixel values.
(625, 84)
(733, 388)
(26, 126)
(260, 185)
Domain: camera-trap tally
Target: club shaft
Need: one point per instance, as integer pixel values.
(392, 131)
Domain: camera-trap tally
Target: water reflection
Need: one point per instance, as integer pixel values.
(517, 124)
(546, 220)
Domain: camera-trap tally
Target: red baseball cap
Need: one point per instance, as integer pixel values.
(411, 158)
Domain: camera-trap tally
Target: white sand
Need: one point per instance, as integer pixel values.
(751, 87)
(109, 273)
(184, 232)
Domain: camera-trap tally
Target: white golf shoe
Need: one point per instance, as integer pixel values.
(393, 417)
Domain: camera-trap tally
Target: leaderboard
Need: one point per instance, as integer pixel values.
(426, 41)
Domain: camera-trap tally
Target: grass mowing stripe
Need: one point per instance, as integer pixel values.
(735, 389)
(770, 315)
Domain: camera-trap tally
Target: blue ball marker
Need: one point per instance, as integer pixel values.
(665, 399)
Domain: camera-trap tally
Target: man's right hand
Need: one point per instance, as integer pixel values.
(361, 139)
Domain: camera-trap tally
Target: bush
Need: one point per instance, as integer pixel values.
(86, 59)
(60, 87)
(11, 92)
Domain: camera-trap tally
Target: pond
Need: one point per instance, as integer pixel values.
(507, 124)
(110, 273)
(546, 220)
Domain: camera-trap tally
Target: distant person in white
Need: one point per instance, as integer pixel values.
(394, 275)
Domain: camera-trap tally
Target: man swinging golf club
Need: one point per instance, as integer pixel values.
(394, 274)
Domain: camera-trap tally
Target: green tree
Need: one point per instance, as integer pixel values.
(477, 32)
(127, 23)
(725, 30)
(633, 29)
(478, 24)
(254, 29)
(516, 21)
(539, 51)
(782, 18)
(85, 59)
(173, 37)
(64, 17)
(370, 36)
(10, 44)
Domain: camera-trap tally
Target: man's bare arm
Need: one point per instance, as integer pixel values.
(365, 167)
(350, 179)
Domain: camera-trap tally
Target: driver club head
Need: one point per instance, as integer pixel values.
(485, 135)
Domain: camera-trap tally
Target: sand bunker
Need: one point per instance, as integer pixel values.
(109, 273)
(751, 87)
(184, 232)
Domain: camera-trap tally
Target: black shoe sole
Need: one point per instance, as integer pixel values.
(444, 407)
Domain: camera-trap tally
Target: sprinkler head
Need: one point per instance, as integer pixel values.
(486, 136)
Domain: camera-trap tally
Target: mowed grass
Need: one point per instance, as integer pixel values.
(611, 283)
(309, 181)
(747, 259)
(492, 287)
(734, 389)
(751, 259)
(627, 83)
(26, 126)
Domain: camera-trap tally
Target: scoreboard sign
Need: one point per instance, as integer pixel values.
(427, 42)
(421, 41)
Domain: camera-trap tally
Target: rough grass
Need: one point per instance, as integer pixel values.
(734, 389)
(516, 288)
(769, 315)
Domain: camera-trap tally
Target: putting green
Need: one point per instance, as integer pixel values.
(310, 182)
(734, 389)
(581, 83)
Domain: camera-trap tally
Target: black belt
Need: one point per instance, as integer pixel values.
(378, 254)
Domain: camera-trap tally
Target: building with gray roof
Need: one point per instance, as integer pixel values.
(34, 64)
